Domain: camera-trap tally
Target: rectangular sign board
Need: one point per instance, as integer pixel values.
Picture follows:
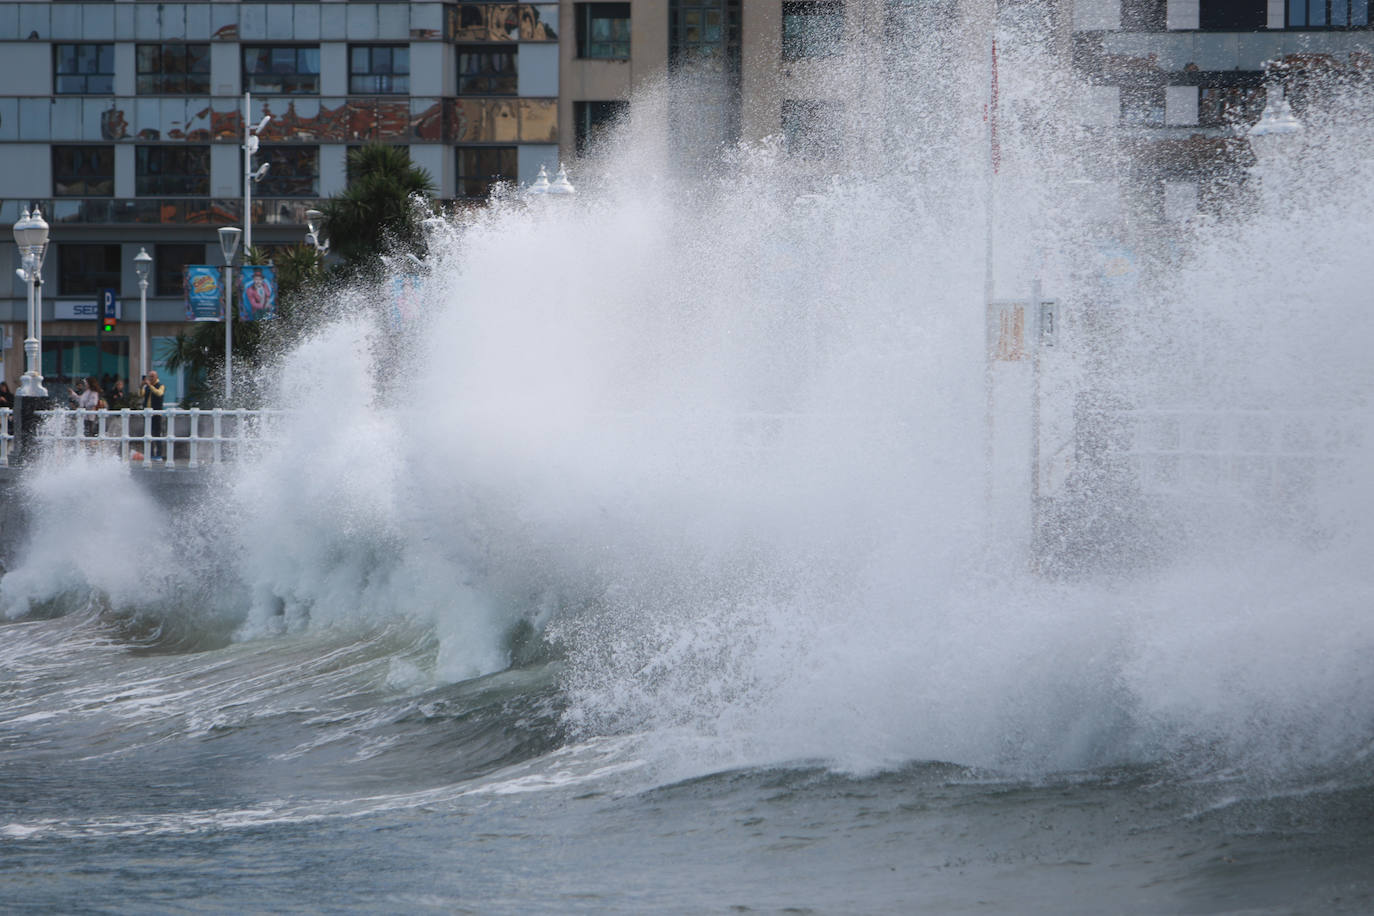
(67, 310)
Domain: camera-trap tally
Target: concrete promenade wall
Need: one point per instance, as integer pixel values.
(172, 489)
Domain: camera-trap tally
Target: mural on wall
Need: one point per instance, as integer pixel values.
(340, 120)
(502, 22)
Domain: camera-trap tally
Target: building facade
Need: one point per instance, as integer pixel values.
(124, 120)
(1183, 79)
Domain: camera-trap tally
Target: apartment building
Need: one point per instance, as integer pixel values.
(1182, 78)
(123, 121)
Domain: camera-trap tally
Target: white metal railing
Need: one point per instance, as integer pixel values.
(1263, 451)
(184, 437)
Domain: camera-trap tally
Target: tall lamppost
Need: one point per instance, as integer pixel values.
(228, 245)
(250, 149)
(142, 262)
(561, 187)
(314, 221)
(544, 189)
(31, 235)
(1276, 131)
(540, 186)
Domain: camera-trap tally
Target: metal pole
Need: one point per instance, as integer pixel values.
(38, 303)
(1035, 334)
(30, 342)
(228, 332)
(990, 220)
(247, 175)
(143, 326)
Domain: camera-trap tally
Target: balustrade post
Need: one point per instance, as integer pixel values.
(147, 437)
(219, 435)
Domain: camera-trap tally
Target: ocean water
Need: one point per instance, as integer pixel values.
(672, 551)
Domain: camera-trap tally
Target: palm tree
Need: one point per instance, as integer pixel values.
(377, 212)
(200, 350)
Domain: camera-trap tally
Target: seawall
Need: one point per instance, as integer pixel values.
(172, 489)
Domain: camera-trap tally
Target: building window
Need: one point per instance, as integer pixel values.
(812, 28)
(172, 171)
(503, 22)
(83, 69)
(1328, 14)
(902, 18)
(83, 171)
(603, 31)
(703, 30)
(1233, 15)
(86, 268)
(170, 262)
(486, 71)
(811, 128)
(480, 167)
(1142, 106)
(295, 172)
(281, 69)
(379, 69)
(1227, 106)
(1144, 15)
(173, 69)
(592, 118)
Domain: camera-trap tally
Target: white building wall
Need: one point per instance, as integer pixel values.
(1094, 15)
(25, 171)
(1180, 200)
(333, 168)
(126, 69)
(225, 171)
(333, 68)
(430, 74)
(437, 159)
(126, 170)
(226, 68)
(1180, 105)
(26, 68)
(531, 156)
(1182, 14)
(1103, 108)
(537, 69)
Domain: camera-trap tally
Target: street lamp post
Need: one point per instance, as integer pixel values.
(228, 245)
(31, 235)
(1276, 131)
(142, 262)
(544, 189)
(561, 187)
(314, 221)
(250, 175)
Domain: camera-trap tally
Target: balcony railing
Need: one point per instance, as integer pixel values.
(296, 119)
(190, 211)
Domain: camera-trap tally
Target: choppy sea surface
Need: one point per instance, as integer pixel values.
(293, 775)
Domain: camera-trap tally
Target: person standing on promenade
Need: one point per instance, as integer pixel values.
(89, 399)
(6, 400)
(152, 393)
